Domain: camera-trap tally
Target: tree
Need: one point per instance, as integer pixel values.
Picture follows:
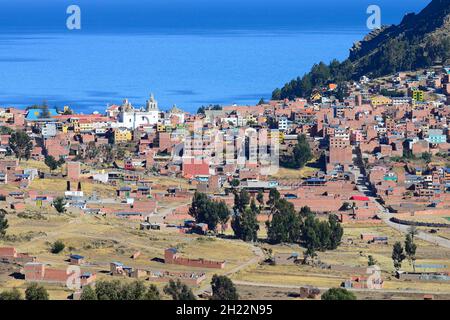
(274, 196)
(338, 294)
(223, 288)
(51, 163)
(336, 232)
(13, 294)
(300, 155)
(371, 261)
(208, 211)
(6, 130)
(397, 255)
(135, 290)
(426, 156)
(114, 290)
(67, 111)
(45, 113)
(57, 247)
(241, 200)
(245, 225)
(88, 293)
(152, 293)
(260, 198)
(20, 143)
(285, 224)
(36, 292)
(3, 223)
(410, 250)
(179, 291)
(261, 102)
(60, 205)
(108, 290)
(235, 183)
(223, 213)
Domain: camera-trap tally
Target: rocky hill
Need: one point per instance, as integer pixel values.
(419, 41)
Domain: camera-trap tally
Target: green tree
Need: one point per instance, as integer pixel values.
(260, 198)
(223, 213)
(336, 232)
(6, 130)
(285, 225)
(235, 183)
(338, 294)
(223, 288)
(152, 293)
(88, 293)
(13, 294)
(397, 255)
(179, 291)
(204, 210)
(36, 292)
(274, 196)
(51, 163)
(426, 156)
(60, 205)
(371, 261)
(3, 223)
(135, 290)
(241, 200)
(108, 290)
(245, 225)
(20, 143)
(300, 155)
(57, 247)
(410, 250)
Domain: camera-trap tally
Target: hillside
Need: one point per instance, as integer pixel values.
(419, 41)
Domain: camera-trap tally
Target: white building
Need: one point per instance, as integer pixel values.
(132, 118)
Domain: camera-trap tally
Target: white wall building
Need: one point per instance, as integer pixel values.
(132, 118)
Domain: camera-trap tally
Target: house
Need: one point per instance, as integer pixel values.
(39, 272)
(171, 256)
(10, 255)
(76, 259)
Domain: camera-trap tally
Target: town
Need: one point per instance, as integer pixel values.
(287, 198)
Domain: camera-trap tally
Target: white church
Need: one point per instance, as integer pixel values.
(132, 118)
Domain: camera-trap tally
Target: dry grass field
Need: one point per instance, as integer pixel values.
(103, 240)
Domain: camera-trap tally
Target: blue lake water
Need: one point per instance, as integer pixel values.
(87, 71)
(188, 53)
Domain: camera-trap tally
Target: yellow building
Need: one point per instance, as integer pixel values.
(280, 135)
(418, 95)
(160, 127)
(85, 126)
(122, 135)
(381, 101)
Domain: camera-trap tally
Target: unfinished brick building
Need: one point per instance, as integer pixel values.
(171, 256)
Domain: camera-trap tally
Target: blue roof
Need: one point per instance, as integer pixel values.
(118, 264)
(33, 114)
(76, 256)
(315, 180)
(173, 250)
